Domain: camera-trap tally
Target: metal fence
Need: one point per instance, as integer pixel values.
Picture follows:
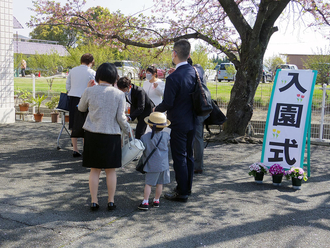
(320, 122)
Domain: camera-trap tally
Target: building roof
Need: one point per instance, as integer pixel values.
(16, 24)
(31, 48)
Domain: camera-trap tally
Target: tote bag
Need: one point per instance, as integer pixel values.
(131, 149)
(201, 96)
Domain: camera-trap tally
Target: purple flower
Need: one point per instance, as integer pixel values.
(276, 169)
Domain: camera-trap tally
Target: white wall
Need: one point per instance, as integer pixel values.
(7, 110)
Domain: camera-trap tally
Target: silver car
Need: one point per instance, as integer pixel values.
(128, 69)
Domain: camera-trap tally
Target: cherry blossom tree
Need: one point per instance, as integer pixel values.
(240, 29)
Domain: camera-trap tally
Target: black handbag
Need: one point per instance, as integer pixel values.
(64, 101)
(216, 117)
(201, 96)
(78, 123)
(140, 165)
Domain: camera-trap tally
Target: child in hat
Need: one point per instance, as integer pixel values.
(157, 167)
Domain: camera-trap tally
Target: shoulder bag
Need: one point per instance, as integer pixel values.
(140, 165)
(201, 97)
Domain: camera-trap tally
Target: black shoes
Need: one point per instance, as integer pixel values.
(174, 196)
(111, 206)
(176, 190)
(94, 206)
(155, 204)
(76, 154)
(198, 171)
(144, 207)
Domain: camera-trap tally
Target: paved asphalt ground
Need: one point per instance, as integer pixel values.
(44, 200)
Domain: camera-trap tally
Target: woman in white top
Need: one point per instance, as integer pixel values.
(76, 83)
(153, 86)
(105, 120)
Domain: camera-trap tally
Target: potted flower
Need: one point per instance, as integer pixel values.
(37, 102)
(277, 172)
(297, 175)
(52, 105)
(258, 170)
(25, 98)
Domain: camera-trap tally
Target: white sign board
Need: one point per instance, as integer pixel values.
(288, 118)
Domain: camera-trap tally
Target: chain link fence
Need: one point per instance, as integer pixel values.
(320, 122)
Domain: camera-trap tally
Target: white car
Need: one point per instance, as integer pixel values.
(211, 75)
(128, 69)
(287, 66)
(223, 74)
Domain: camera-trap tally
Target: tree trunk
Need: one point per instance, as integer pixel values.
(249, 73)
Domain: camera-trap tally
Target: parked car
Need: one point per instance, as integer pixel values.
(128, 68)
(223, 73)
(266, 75)
(161, 73)
(211, 75)
(287, 66)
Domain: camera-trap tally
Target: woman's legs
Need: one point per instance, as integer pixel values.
(111, 183)
(94, 176)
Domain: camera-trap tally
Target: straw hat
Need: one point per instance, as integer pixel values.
(157, 119)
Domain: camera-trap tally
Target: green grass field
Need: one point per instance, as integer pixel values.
(220, 91)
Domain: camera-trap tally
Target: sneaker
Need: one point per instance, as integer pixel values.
(144, 206)
(155, 204)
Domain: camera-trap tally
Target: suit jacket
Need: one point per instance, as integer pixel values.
(177, 100)
(141, 105)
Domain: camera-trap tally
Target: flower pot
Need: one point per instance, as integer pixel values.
(38, 117)
(54, 117)
(277, 180)
(296, 183)
(259, 177)
(23, 107)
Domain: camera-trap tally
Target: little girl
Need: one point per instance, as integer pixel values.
(157, 167)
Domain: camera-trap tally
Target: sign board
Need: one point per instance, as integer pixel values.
(288, 118)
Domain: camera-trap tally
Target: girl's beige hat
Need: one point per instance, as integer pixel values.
(158, 119)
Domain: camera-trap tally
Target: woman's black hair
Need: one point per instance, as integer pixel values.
(152, 69)
(107, 72)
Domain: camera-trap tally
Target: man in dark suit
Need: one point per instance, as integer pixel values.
(177, 101)
(141, 105)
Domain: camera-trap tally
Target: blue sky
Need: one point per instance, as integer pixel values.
(293, 39)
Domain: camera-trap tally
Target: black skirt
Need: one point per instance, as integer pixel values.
(73, 102)
(102, 151)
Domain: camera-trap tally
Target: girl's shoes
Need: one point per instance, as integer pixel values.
(111, 206)
(94, 206)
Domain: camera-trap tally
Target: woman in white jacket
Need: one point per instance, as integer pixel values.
(153, 86)
(104, 123)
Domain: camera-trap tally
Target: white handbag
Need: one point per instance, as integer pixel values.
(132, 149)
